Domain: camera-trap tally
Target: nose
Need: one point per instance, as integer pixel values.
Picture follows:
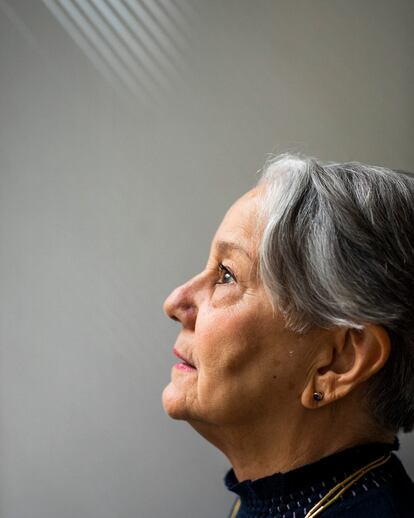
(181, 305)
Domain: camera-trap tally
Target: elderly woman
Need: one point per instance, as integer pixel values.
(297, 342)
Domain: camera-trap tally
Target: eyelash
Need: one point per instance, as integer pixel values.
(223, 269)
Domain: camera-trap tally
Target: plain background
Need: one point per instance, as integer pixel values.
(123, 141)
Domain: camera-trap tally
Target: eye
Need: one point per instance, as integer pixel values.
(226, 275)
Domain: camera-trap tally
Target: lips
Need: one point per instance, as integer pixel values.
(182, 357)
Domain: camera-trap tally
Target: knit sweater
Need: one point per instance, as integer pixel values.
(385, 492)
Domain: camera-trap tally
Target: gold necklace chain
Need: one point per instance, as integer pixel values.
(235, 509)
(335, 492)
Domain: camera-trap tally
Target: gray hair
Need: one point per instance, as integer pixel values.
(338, 250)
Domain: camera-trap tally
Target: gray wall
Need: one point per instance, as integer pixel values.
(119, 154)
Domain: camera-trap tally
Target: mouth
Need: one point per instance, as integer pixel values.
(185, 364)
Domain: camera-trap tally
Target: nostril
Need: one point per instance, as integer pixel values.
(180, 306)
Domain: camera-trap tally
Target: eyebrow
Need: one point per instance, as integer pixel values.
(226, 246)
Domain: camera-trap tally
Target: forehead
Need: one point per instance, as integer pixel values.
(240, 223)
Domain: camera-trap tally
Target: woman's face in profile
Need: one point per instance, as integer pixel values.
(247, 363)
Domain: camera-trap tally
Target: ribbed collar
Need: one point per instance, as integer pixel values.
(280, 485)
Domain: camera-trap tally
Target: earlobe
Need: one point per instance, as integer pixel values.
(319, 392)
(317, 396)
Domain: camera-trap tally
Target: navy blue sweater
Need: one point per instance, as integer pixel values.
(385, 492)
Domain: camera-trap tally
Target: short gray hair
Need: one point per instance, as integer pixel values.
(338, 250)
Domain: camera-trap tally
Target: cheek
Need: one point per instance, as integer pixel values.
(233, 339)
(240, 368)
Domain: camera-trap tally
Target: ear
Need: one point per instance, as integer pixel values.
(349, 358)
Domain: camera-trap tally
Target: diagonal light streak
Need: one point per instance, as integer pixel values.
(162, 19)
(101, 46)
(188, 7)
(161, 44)
(84, 44)
(20, 26)
(128, 49)
(174, 16)
(139, 46)
(185, 9)
(106, 32)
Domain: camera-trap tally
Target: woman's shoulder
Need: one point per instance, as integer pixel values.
(380, 488)
(390, 495)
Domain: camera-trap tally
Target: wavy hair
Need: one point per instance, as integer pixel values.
(338, 250)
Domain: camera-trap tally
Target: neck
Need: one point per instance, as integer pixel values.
(260, 449)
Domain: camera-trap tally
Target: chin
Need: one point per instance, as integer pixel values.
(174, 403)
